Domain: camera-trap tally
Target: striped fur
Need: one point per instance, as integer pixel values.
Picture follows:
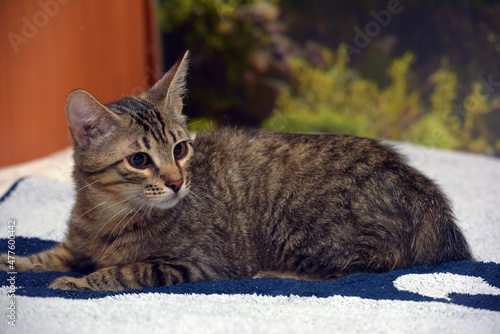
(156, 208)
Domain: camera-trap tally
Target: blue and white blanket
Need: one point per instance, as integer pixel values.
(457, 297)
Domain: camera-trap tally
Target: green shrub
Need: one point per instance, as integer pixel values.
(335, 99)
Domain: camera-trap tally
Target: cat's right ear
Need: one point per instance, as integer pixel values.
(88, 120)
(168, 92)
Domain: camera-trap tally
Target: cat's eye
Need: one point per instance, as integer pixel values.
(180, 150)
(139, 160)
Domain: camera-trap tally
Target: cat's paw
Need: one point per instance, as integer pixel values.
(19, 263)
(70, 283)
(4, 263)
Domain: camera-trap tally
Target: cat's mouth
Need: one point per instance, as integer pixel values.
(166, 202)
(167, 199)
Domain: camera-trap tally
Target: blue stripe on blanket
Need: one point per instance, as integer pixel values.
(482, 294)
(11, 189)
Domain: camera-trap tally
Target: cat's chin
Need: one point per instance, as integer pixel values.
(164, 205)
(168, 201)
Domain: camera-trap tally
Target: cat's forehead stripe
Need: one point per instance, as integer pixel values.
(173, 136)
(143, 113)
(160, 119)
(146, 143)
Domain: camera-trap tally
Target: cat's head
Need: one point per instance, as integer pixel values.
(135, 149)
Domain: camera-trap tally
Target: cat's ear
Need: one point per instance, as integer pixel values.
(168, 92)
(88, 120)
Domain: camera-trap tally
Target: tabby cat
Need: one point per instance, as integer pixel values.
(155, 207)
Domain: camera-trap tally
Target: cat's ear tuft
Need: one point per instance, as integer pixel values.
(168, 92)
(88, 120)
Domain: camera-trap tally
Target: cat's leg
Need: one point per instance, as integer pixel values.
(136, 275)
(59, 258)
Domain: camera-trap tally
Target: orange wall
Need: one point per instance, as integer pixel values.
(49, 48)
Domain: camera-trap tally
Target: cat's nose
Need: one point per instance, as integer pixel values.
(175, 185)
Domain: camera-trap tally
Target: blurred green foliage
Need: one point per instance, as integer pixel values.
(278, 64)
(335, 99)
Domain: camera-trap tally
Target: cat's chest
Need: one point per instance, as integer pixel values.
(128, 248)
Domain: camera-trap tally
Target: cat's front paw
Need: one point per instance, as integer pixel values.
(4, 263)
(70, 283)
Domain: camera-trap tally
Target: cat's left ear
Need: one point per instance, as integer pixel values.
(88, 120)
(168, 92)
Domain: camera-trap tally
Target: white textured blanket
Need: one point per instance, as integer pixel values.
(459, 297)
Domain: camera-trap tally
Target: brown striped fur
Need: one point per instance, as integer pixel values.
(235, 203)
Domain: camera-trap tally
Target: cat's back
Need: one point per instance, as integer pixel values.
(255, 147)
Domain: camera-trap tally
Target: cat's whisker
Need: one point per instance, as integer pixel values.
(130, 190)
(128, 199)
(103, 225)
(117, 203)
(88, 185)
(204, 188)
(130, 219)
(193, 195)
(194, 198)
(124, 225)
(152, 206)
(213, 199)
(210, 197)
(191, 199)
(149, 208)
(95, 207)
(118, 224)
(189, 124)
